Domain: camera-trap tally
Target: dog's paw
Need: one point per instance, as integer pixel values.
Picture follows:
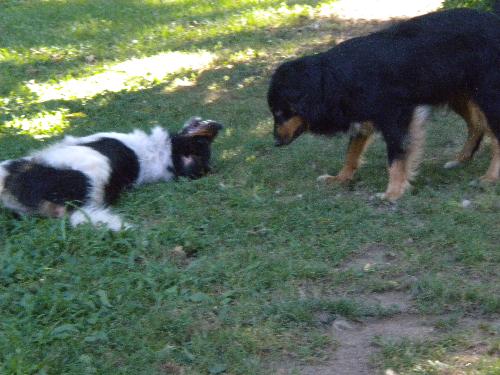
(488, 179)
(388, 196)
(328, 180)
(452, 164)
(325, 179)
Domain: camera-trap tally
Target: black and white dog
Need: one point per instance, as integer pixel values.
(81, 177)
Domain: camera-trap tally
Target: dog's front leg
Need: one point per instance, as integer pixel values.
(405, 141)
(358, 143)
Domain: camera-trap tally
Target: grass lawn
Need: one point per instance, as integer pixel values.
(255, 269)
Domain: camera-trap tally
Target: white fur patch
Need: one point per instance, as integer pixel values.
(421, 114)
(417, 139)
(452, 164)
(154, 151)
(3, 175)
(97, 216)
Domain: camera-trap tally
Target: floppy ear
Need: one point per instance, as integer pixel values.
(196, 127)
(323, 105)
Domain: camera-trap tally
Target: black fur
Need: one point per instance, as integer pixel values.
(428, 60)
(191, 148)
(32, 183)
(190, 156)
(123, 162)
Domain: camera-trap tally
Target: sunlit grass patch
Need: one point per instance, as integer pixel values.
(42, 125)
(444, 356)
(129, 75)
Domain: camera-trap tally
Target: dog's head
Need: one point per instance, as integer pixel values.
(302, 97)
(191, 147)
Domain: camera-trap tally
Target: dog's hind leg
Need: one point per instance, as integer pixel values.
(476, 126)
(405, 141)
(493, 172)
(358, 143)
(489, 108)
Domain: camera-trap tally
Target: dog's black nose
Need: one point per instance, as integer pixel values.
(278, 143)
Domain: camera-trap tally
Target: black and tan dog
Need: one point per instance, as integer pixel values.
(388, 81)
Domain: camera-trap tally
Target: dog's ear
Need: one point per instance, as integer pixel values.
(323, 104)
(196, 127)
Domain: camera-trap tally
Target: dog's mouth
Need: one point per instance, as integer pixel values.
(287, 132)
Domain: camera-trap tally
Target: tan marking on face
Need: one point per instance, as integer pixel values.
(203, 132)
(476, 125)
(286, 131)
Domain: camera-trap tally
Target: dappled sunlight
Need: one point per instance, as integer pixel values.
(187, 81)
(43, 125)
(377, 9)
(262, 129)
(132, 74)
(246, 55)
(463, 363)
(229, 154)
(260, 17)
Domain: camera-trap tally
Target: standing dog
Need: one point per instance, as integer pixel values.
(82, 176)
(388, 81)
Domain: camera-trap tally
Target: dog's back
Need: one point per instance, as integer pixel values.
(439, 55)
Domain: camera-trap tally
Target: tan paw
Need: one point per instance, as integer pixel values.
(391, 196)
(488, 179)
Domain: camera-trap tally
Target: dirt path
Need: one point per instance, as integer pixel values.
(356, 348)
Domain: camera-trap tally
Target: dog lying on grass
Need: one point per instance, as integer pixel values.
(81, 177)
(387, 82)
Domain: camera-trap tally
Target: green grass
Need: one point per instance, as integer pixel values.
(81, 301)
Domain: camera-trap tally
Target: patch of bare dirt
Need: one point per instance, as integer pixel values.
(392, 300)
(372, 256)
(355, 343)
(355, 348)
